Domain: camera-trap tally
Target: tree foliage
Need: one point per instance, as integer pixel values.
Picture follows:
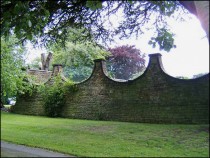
(164, 39)
(12, 62)
(199, 75)
(77, 59)
(125, 61)
(55, 18)
(35, 63)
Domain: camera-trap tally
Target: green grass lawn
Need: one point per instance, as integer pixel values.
(106, 138)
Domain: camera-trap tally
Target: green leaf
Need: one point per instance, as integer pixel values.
(130, 1)
(29, 23)
(93, 5)
(150, 42)
(47, 13)
(29, 36)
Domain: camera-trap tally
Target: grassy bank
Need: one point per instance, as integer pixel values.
(103, 138)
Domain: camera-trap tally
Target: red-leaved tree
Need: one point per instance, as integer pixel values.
(125, 61)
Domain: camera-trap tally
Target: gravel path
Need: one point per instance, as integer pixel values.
(13, 150)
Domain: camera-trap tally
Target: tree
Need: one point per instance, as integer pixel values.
(199, 75)
(35, 64)
(54, 18)
(125, 61)
(201, 10)
(77, 59)
(46, 61)
(182, 77)
(12, 62)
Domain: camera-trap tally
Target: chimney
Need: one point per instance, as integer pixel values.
(57, 69)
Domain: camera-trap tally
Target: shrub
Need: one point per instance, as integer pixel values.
(54, 96)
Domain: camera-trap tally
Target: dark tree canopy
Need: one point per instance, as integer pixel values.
(51, 20)
(125, 62)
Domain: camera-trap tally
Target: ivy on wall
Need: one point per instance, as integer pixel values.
(54, 96)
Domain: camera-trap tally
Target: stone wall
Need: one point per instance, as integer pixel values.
(39, 76)
(154, 97)
(32, 105)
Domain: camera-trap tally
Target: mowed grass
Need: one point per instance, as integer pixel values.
(106, 138)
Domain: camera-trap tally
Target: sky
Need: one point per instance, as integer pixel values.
(190, 57)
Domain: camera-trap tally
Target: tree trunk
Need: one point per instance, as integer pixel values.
(190, 6)
(201, 10)
(43, 58)
(47, 62)
(2, 105)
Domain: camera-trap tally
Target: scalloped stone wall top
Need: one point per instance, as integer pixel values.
(153, 97)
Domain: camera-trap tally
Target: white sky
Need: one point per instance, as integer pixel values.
(190, 57)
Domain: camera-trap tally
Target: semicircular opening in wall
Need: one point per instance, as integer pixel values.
(126, 70)
(78, 73)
